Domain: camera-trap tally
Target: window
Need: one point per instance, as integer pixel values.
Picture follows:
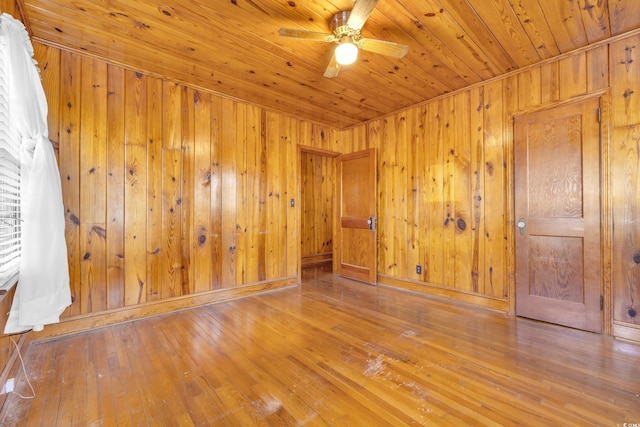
(10, 222)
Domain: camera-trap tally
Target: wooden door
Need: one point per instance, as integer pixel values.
(557, 214)
(355, 248)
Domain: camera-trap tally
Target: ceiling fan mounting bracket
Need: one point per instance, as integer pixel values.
(339, 19)
(341, 31)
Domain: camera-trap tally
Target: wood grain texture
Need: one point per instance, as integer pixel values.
(152, 114)
(625, 169)
(483, 267)
(234, 49)
(169, 190)
(115, 188)
(317, 355)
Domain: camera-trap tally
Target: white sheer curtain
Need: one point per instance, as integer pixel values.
(43, 290)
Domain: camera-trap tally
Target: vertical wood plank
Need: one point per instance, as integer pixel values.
(254, 189)
(135, 193)
(347, 141)
(287, 133)
(385, 222)
(48, 59)
(202, 189)
(598, 68)
(329, 194)
(241, 194)
(477, 197)
(448, 192)
(436, 195)
(462, 193)
(572, 72)
(115, 187)
(335, 140)
(321, 204)
(187, 183)
(494, 190)
(216, 192)
(229, 187)
(291, 231)
(412, 191)
(154, 136)
(423, 199)
(510, 100)
(274, 220)
(396, 135)
(623, 65)
(263, 221)
(305, 134)
(549, 85)
(529, 83)
(69, 154)
(172, 191)
(93, 203)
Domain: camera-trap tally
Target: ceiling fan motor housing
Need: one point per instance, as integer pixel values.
(341, 31)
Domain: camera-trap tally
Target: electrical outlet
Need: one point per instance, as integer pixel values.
(418, 269)
(8, 387)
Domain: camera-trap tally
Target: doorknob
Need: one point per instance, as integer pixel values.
(522, 224)
(372, 223)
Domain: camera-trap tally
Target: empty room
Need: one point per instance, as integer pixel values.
(319, 212)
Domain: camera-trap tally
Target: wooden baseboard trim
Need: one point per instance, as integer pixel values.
(626, 331)
(451, 294)
(314, 259)
(85, 323)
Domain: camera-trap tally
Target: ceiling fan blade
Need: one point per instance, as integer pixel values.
(307, 35)
(360, 13)
(333, 68)
(383, 47)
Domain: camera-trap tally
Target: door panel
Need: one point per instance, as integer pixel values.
(355, 248)
(557, 202)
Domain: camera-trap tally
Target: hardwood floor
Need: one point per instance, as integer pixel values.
(330, 352)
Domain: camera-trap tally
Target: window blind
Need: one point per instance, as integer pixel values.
(10, 222)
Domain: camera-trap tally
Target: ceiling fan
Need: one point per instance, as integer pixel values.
(345, 27)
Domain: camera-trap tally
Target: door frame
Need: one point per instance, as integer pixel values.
(321, 152)
(606, 216)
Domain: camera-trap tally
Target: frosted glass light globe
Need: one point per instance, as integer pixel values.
(346, 53)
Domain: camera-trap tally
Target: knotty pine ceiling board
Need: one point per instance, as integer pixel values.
(232, 47)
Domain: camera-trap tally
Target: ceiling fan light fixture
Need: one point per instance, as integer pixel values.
(346, 53)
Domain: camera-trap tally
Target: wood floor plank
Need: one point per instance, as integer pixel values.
(330, 352)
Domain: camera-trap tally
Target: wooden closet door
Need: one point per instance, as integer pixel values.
(557, 214)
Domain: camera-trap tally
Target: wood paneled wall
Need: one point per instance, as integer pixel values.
(169, 190)
(173, 191)
(446, 172)
(317, 172)
(624, 63)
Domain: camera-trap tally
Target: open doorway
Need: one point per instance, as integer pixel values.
(317, 201)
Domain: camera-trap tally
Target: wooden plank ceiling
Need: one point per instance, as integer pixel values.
(233, 48)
